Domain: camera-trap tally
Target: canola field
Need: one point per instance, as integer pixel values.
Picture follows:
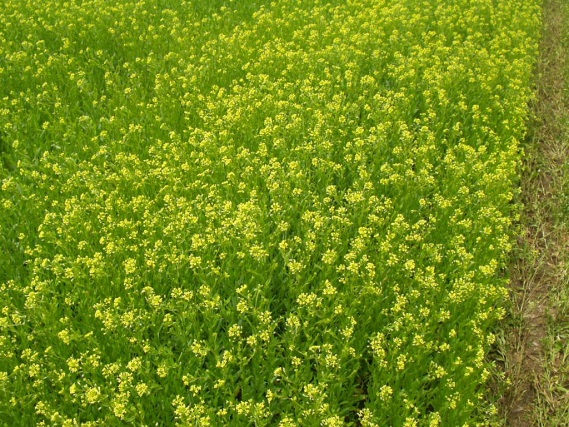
(257, 213)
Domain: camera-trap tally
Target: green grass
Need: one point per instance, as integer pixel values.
(553, 399)
(257, 213)
(535, 349)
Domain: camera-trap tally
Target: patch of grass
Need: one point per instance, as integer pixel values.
(535, 349)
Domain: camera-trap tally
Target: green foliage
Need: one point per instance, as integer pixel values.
(269, 214)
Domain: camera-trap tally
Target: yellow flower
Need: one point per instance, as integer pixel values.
(93, 394)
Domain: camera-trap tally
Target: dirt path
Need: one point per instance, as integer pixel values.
(539, 270)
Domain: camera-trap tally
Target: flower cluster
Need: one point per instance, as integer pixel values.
(269, 213)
